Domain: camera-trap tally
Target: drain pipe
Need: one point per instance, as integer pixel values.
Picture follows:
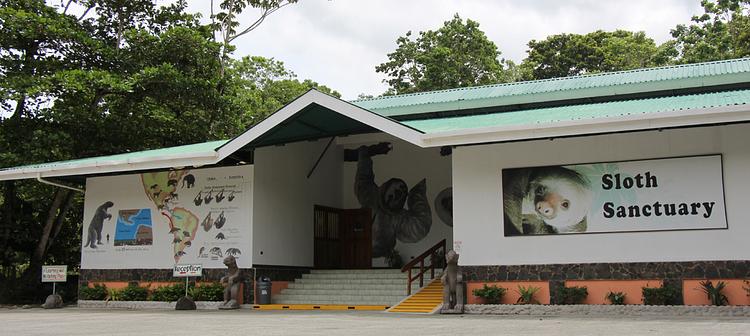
(41, 180)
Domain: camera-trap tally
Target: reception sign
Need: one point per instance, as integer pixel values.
(650, 195)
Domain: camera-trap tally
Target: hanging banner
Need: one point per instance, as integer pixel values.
(684, 193)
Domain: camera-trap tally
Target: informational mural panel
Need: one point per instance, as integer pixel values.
(650, 195)
(159, 219)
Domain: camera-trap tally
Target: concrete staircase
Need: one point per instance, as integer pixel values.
(424, 301)
(384, 287)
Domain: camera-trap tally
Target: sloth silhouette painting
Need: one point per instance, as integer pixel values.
(97, 224)
(545, 200)
(391, 221)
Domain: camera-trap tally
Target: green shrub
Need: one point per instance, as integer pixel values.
(133, 293)
(616, 298)
(491, 294)
(168, 293)
(573, 295)
(208, 292)
(715, 293)
(113, 294)
(527, 295)
(660, 296)
(98, 292)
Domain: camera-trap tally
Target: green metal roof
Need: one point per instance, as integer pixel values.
(667, 78)
(185, 150)
(646, 107)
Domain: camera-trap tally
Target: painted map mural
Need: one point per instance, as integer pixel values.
(175, 216)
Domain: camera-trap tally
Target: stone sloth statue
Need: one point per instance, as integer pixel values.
(231, 283)
(453, 286)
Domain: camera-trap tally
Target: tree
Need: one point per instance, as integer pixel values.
(458, 54)
(265, 85)
(118, 76)
(74, 86)
(722, 32)
(575, 54)
(226, 24)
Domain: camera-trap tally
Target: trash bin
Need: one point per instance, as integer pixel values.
(264, 290)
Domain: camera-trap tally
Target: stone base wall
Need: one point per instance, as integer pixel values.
(672, 273)
(276, 273)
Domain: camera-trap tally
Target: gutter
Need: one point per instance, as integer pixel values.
(40, 179)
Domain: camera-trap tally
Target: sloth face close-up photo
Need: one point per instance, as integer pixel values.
(561, 197)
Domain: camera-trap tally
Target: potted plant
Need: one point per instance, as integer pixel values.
(616, 298)
(715, 293)
(660, 296)
(573, 295)
(527, 295)
(490, 294)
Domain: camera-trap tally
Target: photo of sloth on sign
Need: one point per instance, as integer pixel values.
(545, 200)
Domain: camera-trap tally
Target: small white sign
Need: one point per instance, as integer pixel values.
(187, 270)
(54, 273)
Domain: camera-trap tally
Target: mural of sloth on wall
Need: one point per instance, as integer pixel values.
(391, 220)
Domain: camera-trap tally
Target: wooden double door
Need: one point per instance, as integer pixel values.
(343, 238)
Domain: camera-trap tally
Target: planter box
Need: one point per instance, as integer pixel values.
(146, 304)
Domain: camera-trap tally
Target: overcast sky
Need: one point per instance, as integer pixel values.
(338, 43)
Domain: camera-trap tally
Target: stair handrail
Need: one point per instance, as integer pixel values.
(432, 252)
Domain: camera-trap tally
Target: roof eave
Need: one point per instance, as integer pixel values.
(629, 123)
(102, 167)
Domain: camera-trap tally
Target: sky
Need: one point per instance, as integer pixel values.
(338, 43)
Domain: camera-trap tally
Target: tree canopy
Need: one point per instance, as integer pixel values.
(721, 32)
(600, 51)
(117, 76)
(456, 55)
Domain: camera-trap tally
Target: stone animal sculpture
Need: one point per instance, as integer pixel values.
(53, 301)
(231, 283)
(97, 224)
(453, 286)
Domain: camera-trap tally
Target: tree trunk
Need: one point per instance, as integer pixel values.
(9, 196)
(31, 276)
(60, 220)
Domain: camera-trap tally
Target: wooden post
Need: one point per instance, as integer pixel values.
(421, 273)
(408, 284)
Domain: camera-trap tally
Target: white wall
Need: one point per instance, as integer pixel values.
(285, 197)
(478, 214)
(411, 164)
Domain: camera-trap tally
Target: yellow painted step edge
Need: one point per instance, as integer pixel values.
(318, 307)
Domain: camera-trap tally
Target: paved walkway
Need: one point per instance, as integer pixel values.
(74, 321)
